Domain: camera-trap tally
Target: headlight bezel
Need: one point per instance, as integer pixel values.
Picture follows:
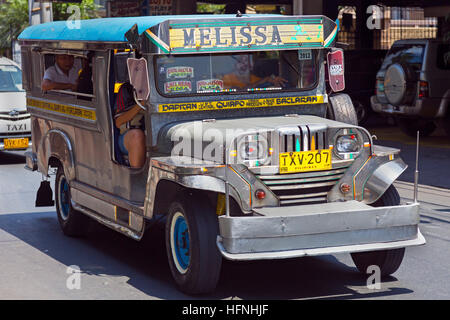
(256, 141)
(352, 134)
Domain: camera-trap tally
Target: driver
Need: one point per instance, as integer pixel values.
(242, 78)
(129, 118)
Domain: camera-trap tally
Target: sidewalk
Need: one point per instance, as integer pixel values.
(426, 194)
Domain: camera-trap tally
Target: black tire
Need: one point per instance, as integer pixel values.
(73, 223)
(362, 112)
(195, 264)
(340, 108)
(387, 260)
(411, 126)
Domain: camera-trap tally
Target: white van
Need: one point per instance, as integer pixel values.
(15, 126)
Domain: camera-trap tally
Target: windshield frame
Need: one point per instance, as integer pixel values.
(314, 85)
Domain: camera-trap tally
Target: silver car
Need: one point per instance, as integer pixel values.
(413, 85)
(15, 128)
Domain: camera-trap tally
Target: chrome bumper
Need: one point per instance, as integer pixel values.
(287, 232)
(427, 108)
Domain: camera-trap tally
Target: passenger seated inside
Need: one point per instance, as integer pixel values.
(129, 119)
(61, 76)
(242, 76)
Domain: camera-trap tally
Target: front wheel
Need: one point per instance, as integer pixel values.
(72, 222)
(340, 108)
(191, 232)
(387, 260)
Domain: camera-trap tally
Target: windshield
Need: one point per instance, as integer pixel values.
(408, 54)
(235, 73)
(10, 79)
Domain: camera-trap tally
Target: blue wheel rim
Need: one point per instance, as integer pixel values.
(181, 242)
(64, 198)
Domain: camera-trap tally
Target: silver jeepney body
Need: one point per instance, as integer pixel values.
(303, 213)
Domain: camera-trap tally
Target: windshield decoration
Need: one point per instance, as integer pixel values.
(180, 72)
(177, 86)
(210, 85)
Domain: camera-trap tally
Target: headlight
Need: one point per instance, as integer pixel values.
(253, 150)
(348, 143)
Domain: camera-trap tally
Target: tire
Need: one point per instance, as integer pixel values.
(411, 126)
(340, 108)
(191, 231)
(387, 260)
(73, 223)
(362, 112)
(400, 84)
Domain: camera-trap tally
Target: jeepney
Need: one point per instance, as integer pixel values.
(238, 171)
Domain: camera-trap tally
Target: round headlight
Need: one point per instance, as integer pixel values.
(347, 143)
(253, 150)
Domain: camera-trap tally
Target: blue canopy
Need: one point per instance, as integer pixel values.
(101, 30)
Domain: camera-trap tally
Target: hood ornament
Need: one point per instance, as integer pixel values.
(14, 113)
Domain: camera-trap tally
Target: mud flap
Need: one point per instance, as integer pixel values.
(44, 196)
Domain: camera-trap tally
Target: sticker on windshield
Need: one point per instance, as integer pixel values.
(177, 86)
(180, 72)
(304, 54)
(209, 85)
(8, 69)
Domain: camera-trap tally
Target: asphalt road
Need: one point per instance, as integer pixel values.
(35, 255)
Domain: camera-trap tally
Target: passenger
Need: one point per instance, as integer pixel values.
(242, 78)
(129, 118)
(61, 76)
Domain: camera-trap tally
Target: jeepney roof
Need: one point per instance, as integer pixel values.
(178, 34)
(105, 29)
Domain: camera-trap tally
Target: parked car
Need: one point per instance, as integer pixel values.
(15, 128)
(413, 85)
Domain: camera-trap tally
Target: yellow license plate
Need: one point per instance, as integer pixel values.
(291, 162)
(21, 143)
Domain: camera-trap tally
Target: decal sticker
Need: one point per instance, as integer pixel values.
(177, 86)
(237, 104)
(180, 72)
(209, 85)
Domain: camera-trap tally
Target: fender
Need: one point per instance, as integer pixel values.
(198, 182)
(381, 179)
(443, 106)
(56, 143)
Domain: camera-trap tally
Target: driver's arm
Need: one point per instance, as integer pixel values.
(127, 115)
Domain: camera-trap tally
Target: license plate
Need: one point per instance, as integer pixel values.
(21, 143)
(291, 162)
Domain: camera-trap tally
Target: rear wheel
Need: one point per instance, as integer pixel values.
(72, 222)
(387, 260)
(411, 126)
(191, 232)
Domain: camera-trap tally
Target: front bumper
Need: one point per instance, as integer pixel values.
(336, 227)
(427, 108)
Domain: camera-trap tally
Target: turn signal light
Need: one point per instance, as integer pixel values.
(345, 188)
(260, 194)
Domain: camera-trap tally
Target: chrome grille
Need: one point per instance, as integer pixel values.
(303, 138)
(303, 188)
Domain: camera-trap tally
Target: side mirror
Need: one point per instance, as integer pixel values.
(132, 36)
(335, 61)
(138, 72)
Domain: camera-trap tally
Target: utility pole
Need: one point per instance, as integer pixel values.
(39, 12)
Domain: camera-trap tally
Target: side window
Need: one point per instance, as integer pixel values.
(443, 56)
(120, 67)
(68, 75)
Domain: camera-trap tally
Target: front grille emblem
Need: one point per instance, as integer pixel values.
(14, 113)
